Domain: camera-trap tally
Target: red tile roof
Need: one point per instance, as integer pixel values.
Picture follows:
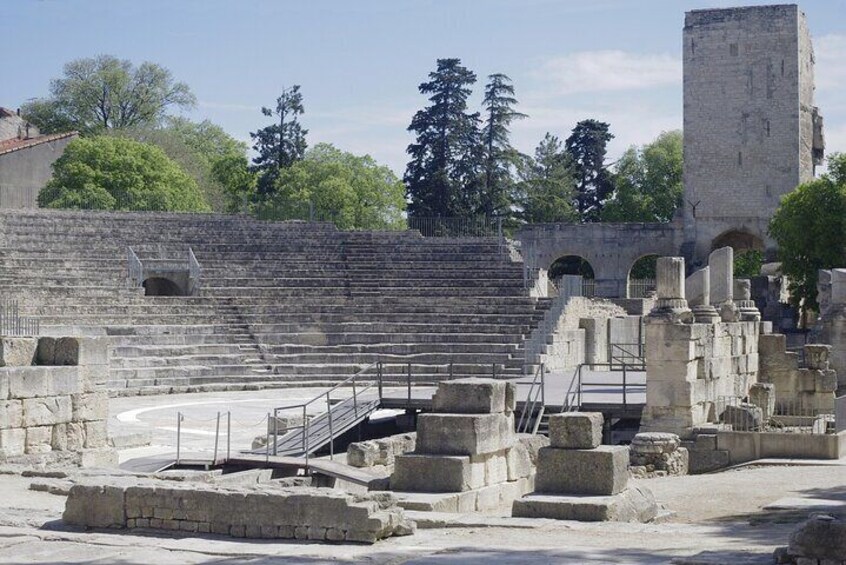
(10, 145)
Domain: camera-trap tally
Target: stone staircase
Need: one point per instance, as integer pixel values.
(280, 304)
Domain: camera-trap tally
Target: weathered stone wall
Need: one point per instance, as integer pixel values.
(13, 126)
(23, 173)
(748, 103)
(52, 396)
(690, 367)
(259, 511)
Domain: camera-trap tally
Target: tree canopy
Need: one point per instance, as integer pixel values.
(647, 182)
(111, 173)
(355, 192)
(443, 174)
(809, 227)
(102, 93)
(546, 191)
(588, 146)
(279, 145)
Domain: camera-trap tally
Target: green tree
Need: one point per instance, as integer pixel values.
(546, 186)
(587, 146)
(281, 144)
(101, 93)
(500, 157)
(647, 182)
(443, 174)
(748, 263)
(110, 173)
(197, 147)
(355, 192)
(809, 227)
(233, 173)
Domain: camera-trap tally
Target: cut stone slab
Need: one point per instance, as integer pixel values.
(464, 434)
(17, 351)
(470, 396)
(601, 471)
(576, 430)
(636, 504)
(436, 473)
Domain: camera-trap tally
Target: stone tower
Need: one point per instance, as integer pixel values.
(751, 131)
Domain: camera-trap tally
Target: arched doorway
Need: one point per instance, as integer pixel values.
(641, 277)
(572, 265)
(739, 240)
(160, 286)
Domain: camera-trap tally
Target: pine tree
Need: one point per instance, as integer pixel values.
(442, 175)
(587, 145)
(547, 183)
(281, 144)
(500, 157)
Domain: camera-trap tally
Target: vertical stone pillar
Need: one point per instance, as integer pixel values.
(832, 324)
(721, 264)
(671, 304)
(746, 308)
(698, 292)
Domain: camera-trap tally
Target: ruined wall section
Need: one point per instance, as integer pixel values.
(747, 71)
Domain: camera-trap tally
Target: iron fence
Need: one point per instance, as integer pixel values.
(13, 324)
(471, 226)
(641, 288)
(797, 416)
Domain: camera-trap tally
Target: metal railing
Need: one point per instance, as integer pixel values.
(535, 401)
(641, 288)
(630, 355)
(799, 416)
(135, 270)
(573, 396)
(180, 418)
(13, 324)
(308, 425)
(588, 288)
(194, 271)
(471, 226)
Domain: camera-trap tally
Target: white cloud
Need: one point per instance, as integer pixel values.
(607, 71)
(830, 69)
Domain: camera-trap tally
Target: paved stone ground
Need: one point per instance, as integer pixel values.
(719, 518)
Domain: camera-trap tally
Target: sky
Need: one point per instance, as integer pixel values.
(359, 62)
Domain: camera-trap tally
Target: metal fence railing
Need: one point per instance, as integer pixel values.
(135, 271)
(472, 226)
(799, 416)
(588, 288)
(13, 324)
(641, 288)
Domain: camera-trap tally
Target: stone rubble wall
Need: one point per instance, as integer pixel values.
(261, 511)
(657, 455)
(798, 388)
(52, 396)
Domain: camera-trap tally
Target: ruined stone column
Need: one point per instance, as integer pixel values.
(746, 308)
(698, 292)
(721, 264)
(671, 304)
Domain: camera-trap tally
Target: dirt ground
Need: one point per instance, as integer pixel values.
(719, 518)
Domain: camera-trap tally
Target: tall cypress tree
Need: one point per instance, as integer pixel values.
(500, 157)
(442, 175)
(281, 144)
(588, 145)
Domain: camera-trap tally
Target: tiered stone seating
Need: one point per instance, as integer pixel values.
(280, 304)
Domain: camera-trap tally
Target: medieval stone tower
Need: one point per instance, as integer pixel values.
(751, 131)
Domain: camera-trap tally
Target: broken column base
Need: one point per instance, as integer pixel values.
(497, 498)
(635, 504)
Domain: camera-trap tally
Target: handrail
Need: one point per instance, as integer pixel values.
(135, 270)
(536, 392)
(576, 382)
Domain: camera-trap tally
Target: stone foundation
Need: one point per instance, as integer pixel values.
(657, 455)
(304, 513)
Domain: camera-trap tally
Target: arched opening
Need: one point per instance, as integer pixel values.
(738, 240)
(572, 265)
(160, 286)
(641, 278)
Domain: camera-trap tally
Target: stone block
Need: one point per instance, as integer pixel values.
(826, 381)
(742, 289)
(510, 397)
(670, 278)
(721, 265)
(697, 288)
(436, 473)
(32, 382)
(600, 471)
(90, 406)
(519, 462)
(838, 286)
(496, 466)
(763, 396)
(47, 411)
(817, 356)
(470, 396)
(636, 504)
(99, 458)
(75, 436)
(820, 538)
(464, 434)
(11, 414)
(743, 417)
(66, 351)
(95, 506)
(45, 353)
(576, 430)
(17, 351)
(39, 440)
(96, 434)
(12, 442)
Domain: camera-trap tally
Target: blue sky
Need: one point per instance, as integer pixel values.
(359, 62)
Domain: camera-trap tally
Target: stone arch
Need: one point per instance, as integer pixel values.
(640, 279)
(739, 240)
(571, 264)
(162, 286)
